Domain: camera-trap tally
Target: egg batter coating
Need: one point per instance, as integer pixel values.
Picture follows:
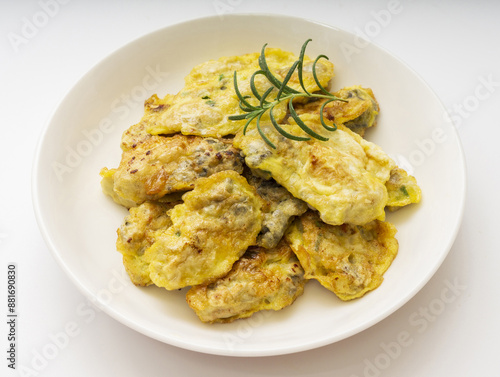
(134, 135)
(343, 178)
(162, 165)
(348, 260)
(202, 107)
(137, 268)
(138, 133)
(107, 186)
(211, 230)
(358, 114)
(262, 279)
(281, 209)
(402, 189)
(137, 234)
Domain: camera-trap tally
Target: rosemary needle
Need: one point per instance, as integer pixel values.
(284, 93)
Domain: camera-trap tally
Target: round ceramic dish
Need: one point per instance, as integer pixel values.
(83, 135)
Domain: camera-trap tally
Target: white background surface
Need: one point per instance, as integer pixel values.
(453, 45)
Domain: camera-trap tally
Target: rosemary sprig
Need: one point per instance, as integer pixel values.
(284, 93)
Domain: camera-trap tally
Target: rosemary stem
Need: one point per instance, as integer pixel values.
(285, 93)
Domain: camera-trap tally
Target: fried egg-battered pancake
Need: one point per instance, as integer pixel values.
(107, 186)
(358, 114)
(202, 107)
(211, 230)
(402, 189)
(348, 260)
(137, 268)
(343, 178)
(137, 233)
(134, 135)
(282, 208)
(138, 133)
(263, 279)
(161, 165)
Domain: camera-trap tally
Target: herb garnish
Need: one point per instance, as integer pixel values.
(285, 93)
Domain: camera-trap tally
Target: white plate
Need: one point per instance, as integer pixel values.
(79, 223)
